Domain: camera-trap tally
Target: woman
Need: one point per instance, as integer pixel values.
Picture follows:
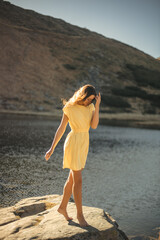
(81, 114)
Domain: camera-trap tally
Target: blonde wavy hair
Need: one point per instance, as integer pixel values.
(80, 95)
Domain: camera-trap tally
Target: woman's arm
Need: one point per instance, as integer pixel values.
(59, 133)
(95, 115)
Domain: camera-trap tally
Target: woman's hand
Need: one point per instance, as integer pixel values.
(98, 99)
(48, 154)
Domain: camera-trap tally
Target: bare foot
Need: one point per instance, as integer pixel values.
(64, 213)
(82, 221)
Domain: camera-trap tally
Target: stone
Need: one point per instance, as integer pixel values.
(38, 218)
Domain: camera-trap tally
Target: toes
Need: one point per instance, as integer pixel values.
(69, 218)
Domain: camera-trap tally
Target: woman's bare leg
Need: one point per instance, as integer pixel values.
(77, 193)
(67, 192)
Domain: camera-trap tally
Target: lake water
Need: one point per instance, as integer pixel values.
(122, 172)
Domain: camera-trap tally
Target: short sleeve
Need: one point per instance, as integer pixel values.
(66, 110)
(92, 107)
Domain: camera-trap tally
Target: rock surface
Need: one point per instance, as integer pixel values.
(37, 218)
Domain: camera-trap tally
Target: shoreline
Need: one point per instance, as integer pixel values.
(148, 121)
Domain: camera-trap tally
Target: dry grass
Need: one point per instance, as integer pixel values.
(151, 121)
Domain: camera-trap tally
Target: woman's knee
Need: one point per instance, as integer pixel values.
(77, 177)
(70, 178)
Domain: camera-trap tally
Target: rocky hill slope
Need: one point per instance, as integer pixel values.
(44, 59)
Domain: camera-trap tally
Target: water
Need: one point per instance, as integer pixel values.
(121, 173)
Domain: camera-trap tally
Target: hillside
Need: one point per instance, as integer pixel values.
(44, 59)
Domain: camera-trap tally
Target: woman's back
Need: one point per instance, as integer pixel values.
(79, 116)
(76, 145)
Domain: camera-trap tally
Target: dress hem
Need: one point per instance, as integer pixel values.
(73, 169)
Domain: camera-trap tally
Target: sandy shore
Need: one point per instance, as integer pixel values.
(150, 121)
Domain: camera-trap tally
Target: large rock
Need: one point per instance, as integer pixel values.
(37, 218)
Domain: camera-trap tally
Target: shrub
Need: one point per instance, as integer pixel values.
(132, 91)
(144, 76)
(69, 66)
(129, 91)
(114, 101)
(155, 99)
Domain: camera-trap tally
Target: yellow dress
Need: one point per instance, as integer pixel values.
(76, 145)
